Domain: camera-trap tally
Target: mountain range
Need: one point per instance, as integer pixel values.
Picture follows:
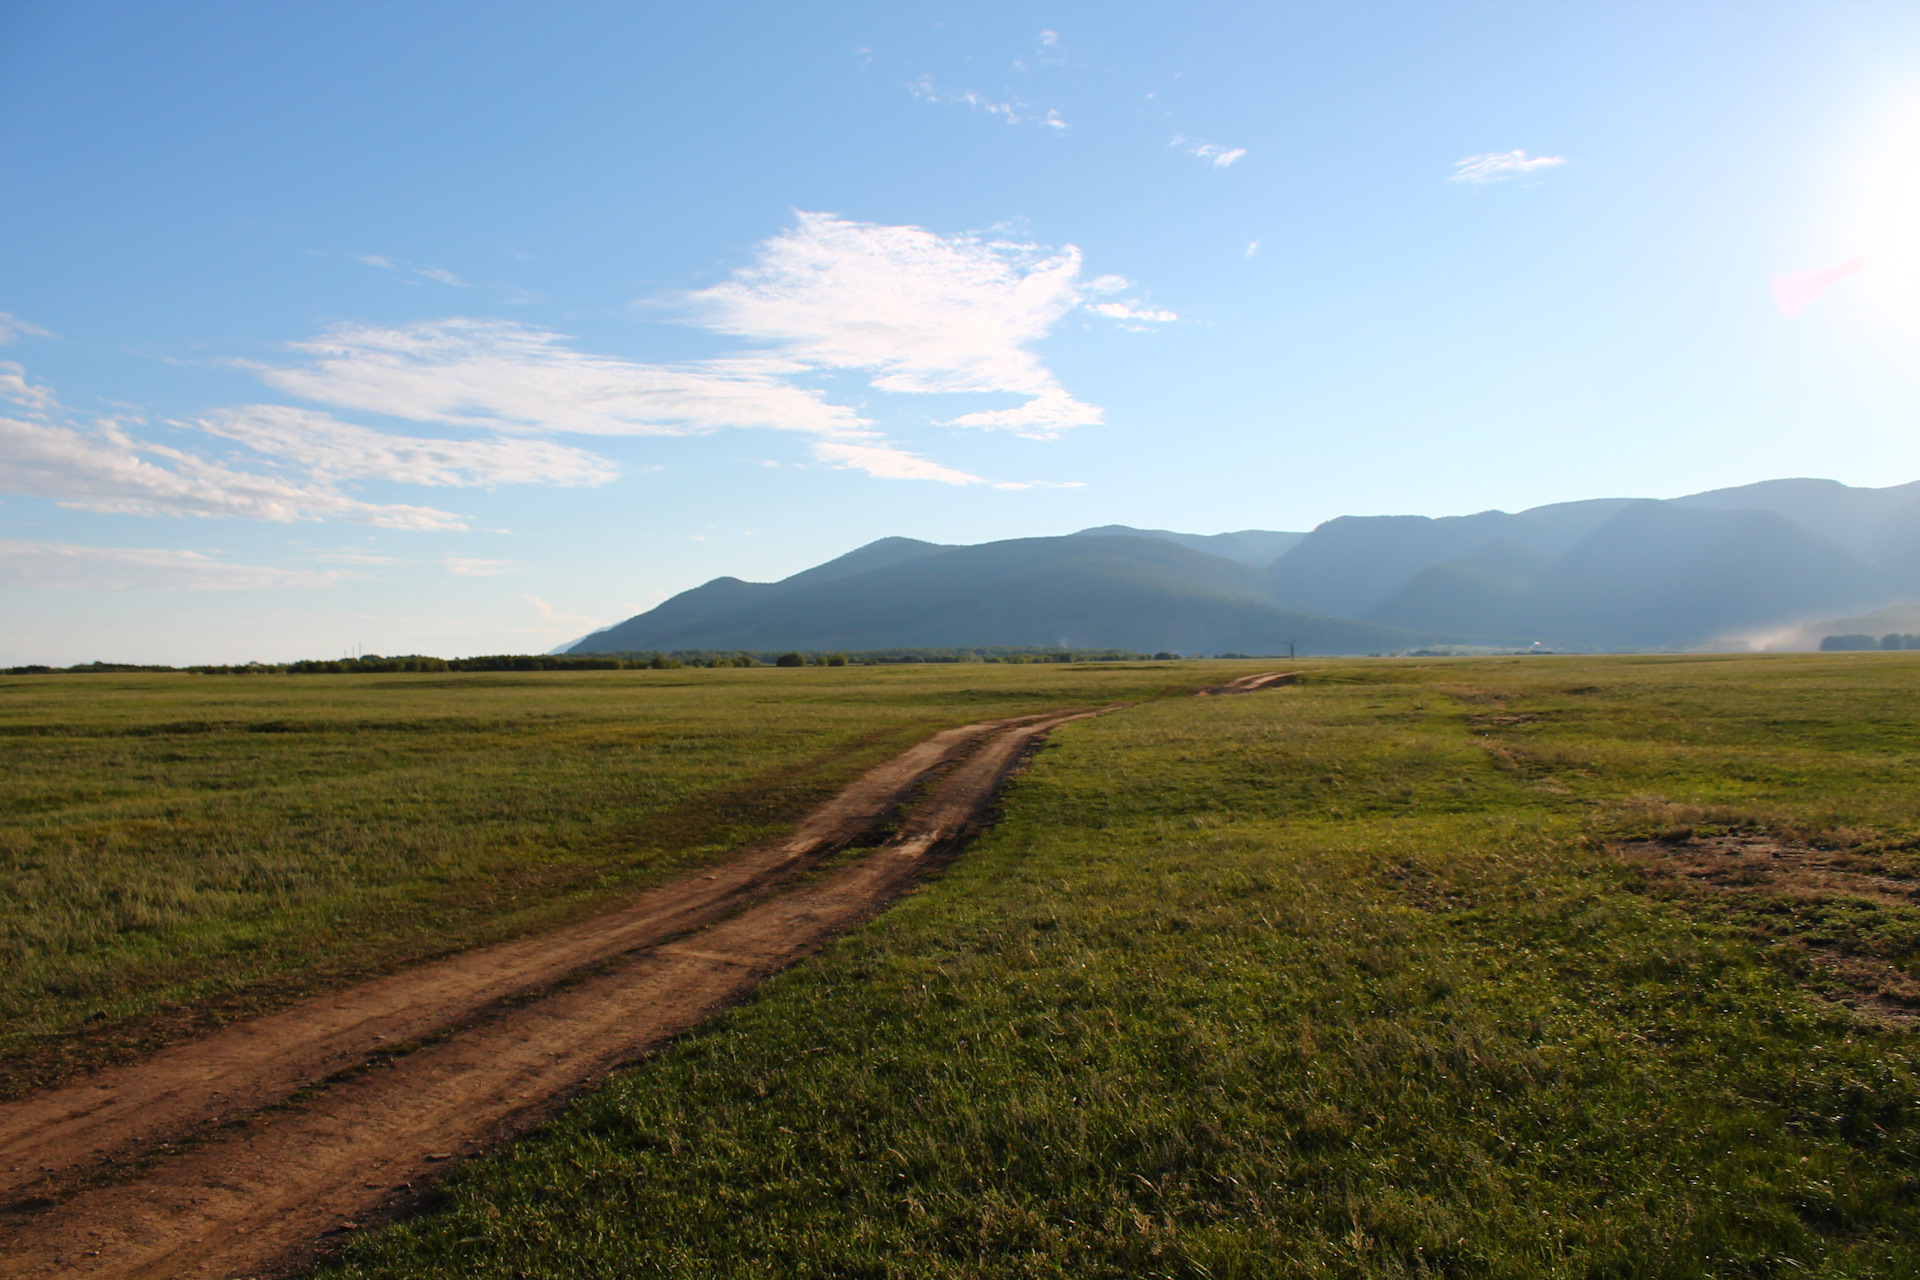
(1727, 568)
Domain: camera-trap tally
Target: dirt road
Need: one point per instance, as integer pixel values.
(1253, 683)
(279, 1179)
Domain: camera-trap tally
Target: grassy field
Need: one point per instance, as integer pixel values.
(1347, 979)
(176, 849)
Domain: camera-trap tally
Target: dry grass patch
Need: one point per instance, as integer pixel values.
(1851, 916)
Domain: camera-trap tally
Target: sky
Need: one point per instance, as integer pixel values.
(411, 327)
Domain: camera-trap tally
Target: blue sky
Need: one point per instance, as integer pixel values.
(469, 328)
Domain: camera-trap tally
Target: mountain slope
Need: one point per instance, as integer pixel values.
(1256, 547)
(1881, 524)
(1482, 593)
(1076, 592)
(722, 596)
(1659, 574)
(1353, 564)
(1604, 573)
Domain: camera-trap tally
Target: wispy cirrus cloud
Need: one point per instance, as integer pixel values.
(512, 377)
(1012, 111)
(15, 386)
(102, 466)
(887, 462)
(1499, 166)
(470, 567)
(916, 312)
(65, 564)
(107, 469)
(439, 275)
(1217, 156)
(12, 328)
(327, 447)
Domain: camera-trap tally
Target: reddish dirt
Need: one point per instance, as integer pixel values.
(119, 1113)
(268, 1191)
(1253, 684)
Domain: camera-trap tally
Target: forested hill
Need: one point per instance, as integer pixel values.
(1609, 573)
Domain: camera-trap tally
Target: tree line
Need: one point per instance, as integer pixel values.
(378, 664)
(1858, 643)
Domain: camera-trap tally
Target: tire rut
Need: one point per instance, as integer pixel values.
(269, 1189)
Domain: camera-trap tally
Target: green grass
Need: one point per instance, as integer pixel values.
(1338, 980)
(175, 850)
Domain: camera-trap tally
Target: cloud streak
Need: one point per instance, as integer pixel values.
(906, 310)
(1499, 166)
(512, 377)
(334, 450)
(1217, 156)
(12, 328)
(912, 311)
(65, 564)
(108, 470)
(1011, 111)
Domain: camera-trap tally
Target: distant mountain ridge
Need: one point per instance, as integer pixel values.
(1701, 570)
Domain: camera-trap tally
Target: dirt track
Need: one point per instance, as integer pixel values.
(1253, 683)
(279, 1179)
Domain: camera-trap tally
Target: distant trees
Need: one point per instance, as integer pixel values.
(377, 664)
(1859, 643)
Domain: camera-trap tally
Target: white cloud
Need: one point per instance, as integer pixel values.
(1013, 111)
(15, 387)
(468, 567)
(12, 327)
(354, 557)
(921, 312)
(1217, 156)
(438, 274)
(1131, 311)
(925, 90)
(106, 471)
(63, 564)
(514, 377)
(887, 462)
(1499, 166)
(1253, 247)
(914, 311)
(331, 449)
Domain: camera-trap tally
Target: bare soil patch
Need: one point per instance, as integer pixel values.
(1788, 890)
(516, 1030)
(1253, 683)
